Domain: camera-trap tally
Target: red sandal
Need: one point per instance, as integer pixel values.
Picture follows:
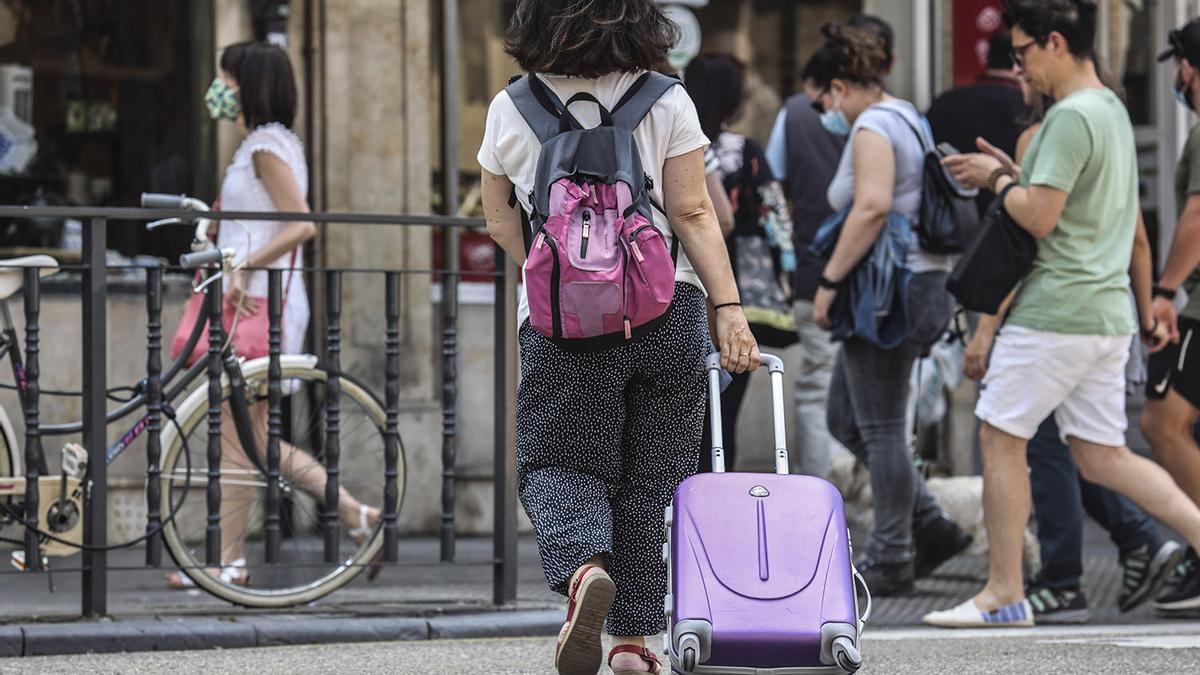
(579, 650)
(648, 656)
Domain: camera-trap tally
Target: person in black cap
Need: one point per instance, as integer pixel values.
(1173, 386)
(992, 107)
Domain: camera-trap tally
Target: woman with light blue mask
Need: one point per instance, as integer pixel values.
(256, 91)
(880, 173)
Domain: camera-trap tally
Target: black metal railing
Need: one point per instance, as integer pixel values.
(96, 416)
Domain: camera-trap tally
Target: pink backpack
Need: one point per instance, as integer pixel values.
(599, 273)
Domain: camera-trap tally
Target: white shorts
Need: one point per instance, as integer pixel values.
(1079, 378)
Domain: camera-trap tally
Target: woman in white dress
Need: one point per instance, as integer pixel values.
(256, 90)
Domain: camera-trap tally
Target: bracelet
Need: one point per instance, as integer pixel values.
(824, 282)
(995, 176)
(1150, 332)
(726, 304)
(1161, 292)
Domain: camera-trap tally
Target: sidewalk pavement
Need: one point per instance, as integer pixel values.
(419, 599)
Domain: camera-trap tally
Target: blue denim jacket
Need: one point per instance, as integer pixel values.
(872, 302)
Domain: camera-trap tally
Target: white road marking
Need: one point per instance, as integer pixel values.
(1144, 642)
(1167, 628)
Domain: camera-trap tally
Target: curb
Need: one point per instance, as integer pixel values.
(144, 635)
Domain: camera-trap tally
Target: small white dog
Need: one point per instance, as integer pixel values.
(961, 497)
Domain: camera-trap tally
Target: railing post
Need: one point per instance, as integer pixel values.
(153, 415)
(216, 340)
(450, 246)
(274, 412)
(504, 572)
(95, 422)
(333, 425)
(33, 434)
(391, 448)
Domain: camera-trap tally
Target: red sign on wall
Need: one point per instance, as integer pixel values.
(974, 23)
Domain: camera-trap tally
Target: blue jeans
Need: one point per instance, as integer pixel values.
(1061, 496)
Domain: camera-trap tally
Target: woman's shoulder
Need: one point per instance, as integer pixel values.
(277, 139)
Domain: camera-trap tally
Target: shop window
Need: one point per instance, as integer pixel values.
(114, 91)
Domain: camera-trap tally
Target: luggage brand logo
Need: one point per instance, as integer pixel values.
(759, 491)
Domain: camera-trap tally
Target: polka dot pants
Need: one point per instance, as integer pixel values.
(603, 440)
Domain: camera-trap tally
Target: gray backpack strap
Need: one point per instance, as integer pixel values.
(535, 101)
(640, 99)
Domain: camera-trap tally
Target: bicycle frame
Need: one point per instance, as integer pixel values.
(239, 407)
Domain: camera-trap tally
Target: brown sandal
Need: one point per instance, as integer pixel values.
(579, 650)
(648, 656)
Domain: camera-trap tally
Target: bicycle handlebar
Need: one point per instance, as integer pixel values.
(155, 200)
(201, 259)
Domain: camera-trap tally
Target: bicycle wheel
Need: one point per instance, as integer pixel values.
(301, 574)
(6, 471)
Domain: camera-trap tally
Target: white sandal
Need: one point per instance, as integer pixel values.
(233, 573)
(360, 533)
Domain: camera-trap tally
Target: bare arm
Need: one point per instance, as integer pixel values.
(503, 222)
(285, 194)
(1141, 273)
(874, 184)
(720, 201)
(975, 357)
(694, 222)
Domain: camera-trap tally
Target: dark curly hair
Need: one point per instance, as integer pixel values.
(588, 38)
(1075, 20)
(853, 54)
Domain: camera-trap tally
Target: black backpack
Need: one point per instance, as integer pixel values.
(948, 218)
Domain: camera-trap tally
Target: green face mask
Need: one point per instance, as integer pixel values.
(222, 101)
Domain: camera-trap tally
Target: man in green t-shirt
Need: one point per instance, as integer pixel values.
(1066, 342)
(1173, 385)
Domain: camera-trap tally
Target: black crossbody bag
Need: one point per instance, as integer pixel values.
(994, 262)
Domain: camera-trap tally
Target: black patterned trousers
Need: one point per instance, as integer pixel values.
(603, 440)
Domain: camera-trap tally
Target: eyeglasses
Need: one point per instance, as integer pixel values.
(1018, 53)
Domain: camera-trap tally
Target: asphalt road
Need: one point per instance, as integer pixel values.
(1163, 648)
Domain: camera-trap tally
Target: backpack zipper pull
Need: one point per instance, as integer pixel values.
(628, 329)
(637, 252)
(541, 240)
(587, 227)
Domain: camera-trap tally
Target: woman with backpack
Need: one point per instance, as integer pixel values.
(760, 242)
(605, 434)
(880, 173)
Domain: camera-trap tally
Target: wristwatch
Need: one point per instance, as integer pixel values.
(824, 282)
(1160, 292)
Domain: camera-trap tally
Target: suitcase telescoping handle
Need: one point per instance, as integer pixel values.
(774, 366)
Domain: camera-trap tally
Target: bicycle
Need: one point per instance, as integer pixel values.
(360, 424)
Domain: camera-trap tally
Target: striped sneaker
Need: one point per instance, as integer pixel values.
(968, 615)
(1052, 606)
(1146, 572)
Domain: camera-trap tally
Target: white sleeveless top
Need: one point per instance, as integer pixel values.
(242, 190)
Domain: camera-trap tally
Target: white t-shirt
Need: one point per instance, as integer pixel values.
(510, 148)
(910, 158)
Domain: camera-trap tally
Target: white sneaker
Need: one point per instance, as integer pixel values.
(968, 615)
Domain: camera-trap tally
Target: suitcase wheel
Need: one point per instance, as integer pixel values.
(689, 659)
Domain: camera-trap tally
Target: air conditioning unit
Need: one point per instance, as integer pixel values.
(16, 91)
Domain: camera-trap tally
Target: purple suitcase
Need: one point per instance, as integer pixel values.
(761, 576)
